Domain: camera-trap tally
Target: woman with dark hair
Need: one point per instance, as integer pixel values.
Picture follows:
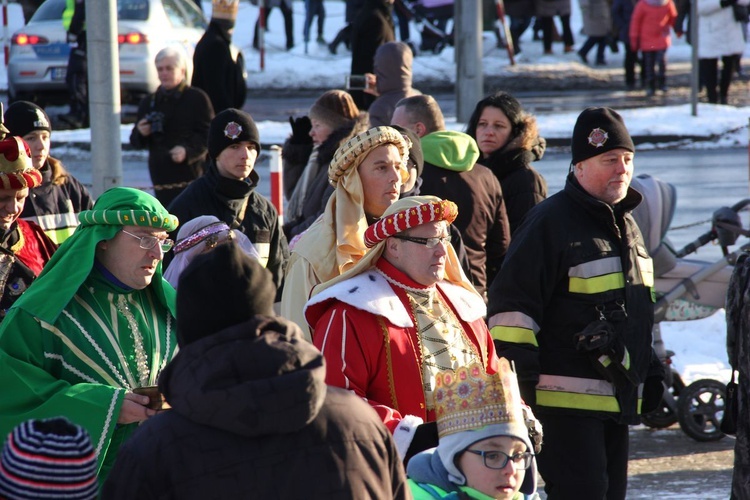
(509, 141)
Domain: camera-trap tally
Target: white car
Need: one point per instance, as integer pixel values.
(39, 51)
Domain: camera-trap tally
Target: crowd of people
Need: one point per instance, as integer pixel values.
(426, 324)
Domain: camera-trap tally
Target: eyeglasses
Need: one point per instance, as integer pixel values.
(498, 460)
(428, 242)
(149, 242)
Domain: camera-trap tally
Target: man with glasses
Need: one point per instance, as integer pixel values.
(404, 312)
(95, 326)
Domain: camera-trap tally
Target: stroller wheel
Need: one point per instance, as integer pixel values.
(666, 414)
(700, 409)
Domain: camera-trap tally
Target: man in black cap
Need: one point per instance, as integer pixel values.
(573, 307)
(251, 414)
(227, 190)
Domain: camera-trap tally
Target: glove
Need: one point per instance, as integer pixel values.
(653, 392)
(301, 130)
(425, 437)
(727, 3)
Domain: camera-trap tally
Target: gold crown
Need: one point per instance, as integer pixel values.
(470, 399)
(224, 9)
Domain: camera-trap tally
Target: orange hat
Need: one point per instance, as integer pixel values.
(16, 171)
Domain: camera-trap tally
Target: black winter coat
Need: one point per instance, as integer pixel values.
(371, 28)
(218, 71)
(252, 417)
(573, 260)
(523, 187)
(187, 114)
(213, 194)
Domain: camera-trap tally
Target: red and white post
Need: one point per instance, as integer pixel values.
(277, 182)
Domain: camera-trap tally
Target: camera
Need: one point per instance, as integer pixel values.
(356, 82)
(156, 119)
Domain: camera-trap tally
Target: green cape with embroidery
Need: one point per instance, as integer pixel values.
(69, 346)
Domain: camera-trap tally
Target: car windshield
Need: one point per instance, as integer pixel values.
(127, 10)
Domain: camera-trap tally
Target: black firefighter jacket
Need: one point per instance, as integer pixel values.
(572, 257)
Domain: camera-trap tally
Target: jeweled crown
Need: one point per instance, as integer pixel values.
(469, 399)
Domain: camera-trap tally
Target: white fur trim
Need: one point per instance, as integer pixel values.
(403, 434)
(368, 292)
(469, 306)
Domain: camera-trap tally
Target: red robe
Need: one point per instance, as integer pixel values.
(366, 330)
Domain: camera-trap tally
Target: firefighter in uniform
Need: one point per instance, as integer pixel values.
(573, 307)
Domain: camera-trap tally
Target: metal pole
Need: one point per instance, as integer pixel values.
(104, 95)
(469, 78)
(262, 34)
(694, 59)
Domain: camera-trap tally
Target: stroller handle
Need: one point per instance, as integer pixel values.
(711, 234)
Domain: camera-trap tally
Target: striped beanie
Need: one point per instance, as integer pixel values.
(48, 459)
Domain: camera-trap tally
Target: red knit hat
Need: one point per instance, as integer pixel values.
(16, 171)
(402, 220)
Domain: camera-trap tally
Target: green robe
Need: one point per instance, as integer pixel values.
(81, 365)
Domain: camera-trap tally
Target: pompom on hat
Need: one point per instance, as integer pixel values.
(51, 459)
(16, 170)
(471, 406)
(351, 154)
(598, 130)
(388, 225)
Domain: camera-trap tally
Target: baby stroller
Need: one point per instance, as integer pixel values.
(687, 289)
(431, 17)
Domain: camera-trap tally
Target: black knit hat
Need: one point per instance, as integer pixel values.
(597, 131)
(230, 127)
(219, 289)
(415, 151)
(48, 459)
(23, 117)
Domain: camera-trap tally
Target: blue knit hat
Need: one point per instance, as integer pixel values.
(48, 459)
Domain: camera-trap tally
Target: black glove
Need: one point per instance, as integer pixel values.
(300, 130)
(425, 437)
(727, 3)
(653, 392)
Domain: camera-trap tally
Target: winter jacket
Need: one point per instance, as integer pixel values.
(523, 187)
(574, 261)
(319, 189)
(719, 33)
(219, 69)
(56, 203)
(393, 62)
(186, 116)
(622, 12)
(550, 8)
(597, 17)
(213, 194)
(252, 417)
(650, 25)
(451, 173)
(371, 28)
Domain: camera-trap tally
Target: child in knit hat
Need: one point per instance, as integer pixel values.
(485, 449)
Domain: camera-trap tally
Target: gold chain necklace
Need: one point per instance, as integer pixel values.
(141, 360)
